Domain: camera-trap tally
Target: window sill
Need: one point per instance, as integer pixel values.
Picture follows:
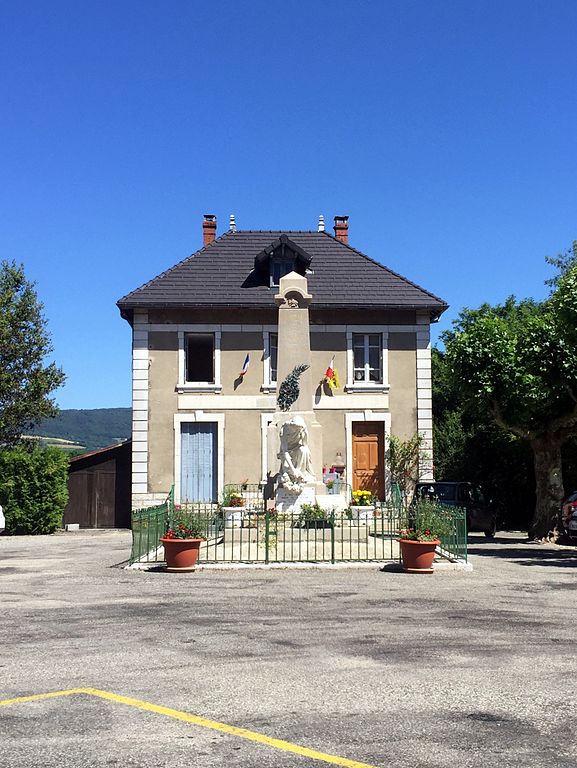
(365, 387)
(268, 389)
(183, 388)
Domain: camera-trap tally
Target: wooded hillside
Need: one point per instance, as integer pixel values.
(90, 428)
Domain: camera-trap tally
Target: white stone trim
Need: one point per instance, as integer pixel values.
(260, 327)
(227, 402)
(203, 386)
(143, 499)
(140, 368)
(196, 417)
(264, 402)
(424, 395)
(366, 415)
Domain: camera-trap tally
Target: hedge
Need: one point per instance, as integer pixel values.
(33, 489)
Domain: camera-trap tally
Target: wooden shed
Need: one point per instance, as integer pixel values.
(99, 486)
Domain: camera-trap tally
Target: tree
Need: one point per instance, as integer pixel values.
(468, 445)
(33, 489)
(404, 459)
(517, 363)
(25, 381)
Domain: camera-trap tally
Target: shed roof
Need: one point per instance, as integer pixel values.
(226, 273)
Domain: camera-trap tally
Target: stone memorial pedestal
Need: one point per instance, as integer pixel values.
(300, 459)
(290, 502)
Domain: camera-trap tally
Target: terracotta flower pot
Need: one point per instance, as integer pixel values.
(418, 556)
(181, 554)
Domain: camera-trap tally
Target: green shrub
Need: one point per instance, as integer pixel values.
(314, 514)
(33, 489)
(427, 520)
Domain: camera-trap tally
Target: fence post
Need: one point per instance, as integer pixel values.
(332, 537)
(266, 532)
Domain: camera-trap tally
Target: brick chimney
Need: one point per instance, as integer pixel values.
(209, 228)
(342, 228)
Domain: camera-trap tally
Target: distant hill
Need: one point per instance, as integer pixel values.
(87, 428)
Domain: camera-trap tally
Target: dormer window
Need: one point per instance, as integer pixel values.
(279, 268)
(278, 259)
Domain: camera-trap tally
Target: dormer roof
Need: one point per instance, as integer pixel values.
(283, 248)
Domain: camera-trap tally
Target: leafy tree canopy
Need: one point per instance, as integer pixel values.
(517, 363)
(470, 446)
(25, 380)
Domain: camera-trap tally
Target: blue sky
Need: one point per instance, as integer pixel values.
(446, 131)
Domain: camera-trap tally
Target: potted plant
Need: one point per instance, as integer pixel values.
(362, 507)
(425, 523)
(182, 543)
(233, 508)
(314, 516)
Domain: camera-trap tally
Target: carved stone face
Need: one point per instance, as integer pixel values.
(293, 300)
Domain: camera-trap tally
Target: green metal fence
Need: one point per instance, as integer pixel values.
(257, 535)
(252, 494)
(452, 521)
(454, 543)
(148, 525)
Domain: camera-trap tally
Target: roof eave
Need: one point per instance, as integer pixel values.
(127, 309)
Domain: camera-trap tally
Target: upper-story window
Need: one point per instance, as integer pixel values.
(273, 356)
(367, 358)
(270, 359)
(199, 358)
(279, 268)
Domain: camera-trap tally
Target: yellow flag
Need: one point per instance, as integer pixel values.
(334, 382)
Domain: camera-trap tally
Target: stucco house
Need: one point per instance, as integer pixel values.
(200, 418)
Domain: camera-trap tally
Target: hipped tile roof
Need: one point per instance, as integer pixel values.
(222, 275)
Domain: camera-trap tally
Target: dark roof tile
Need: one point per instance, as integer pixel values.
(219, 275)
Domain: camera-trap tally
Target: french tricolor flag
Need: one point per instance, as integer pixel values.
(245, 366)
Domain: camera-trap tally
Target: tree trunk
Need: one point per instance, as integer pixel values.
(548, 487)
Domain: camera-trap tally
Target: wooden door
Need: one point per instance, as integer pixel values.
(369, 457)
(91, 499)
(104, 499)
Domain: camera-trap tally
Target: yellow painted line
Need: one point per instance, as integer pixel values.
(40, 696)
(176, 714)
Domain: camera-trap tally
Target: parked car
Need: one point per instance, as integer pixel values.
(569, 515)
(481, 515)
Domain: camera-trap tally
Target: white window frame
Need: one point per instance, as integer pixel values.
(367, 386)
(198, 386)
(268, 385)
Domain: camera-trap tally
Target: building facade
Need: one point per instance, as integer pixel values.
(200, 418)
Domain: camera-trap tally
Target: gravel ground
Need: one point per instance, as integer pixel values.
(458, 668)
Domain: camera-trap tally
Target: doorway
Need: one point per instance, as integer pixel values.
(369, 457)
(198, 468)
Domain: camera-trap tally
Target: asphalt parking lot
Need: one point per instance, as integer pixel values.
(369, 667)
